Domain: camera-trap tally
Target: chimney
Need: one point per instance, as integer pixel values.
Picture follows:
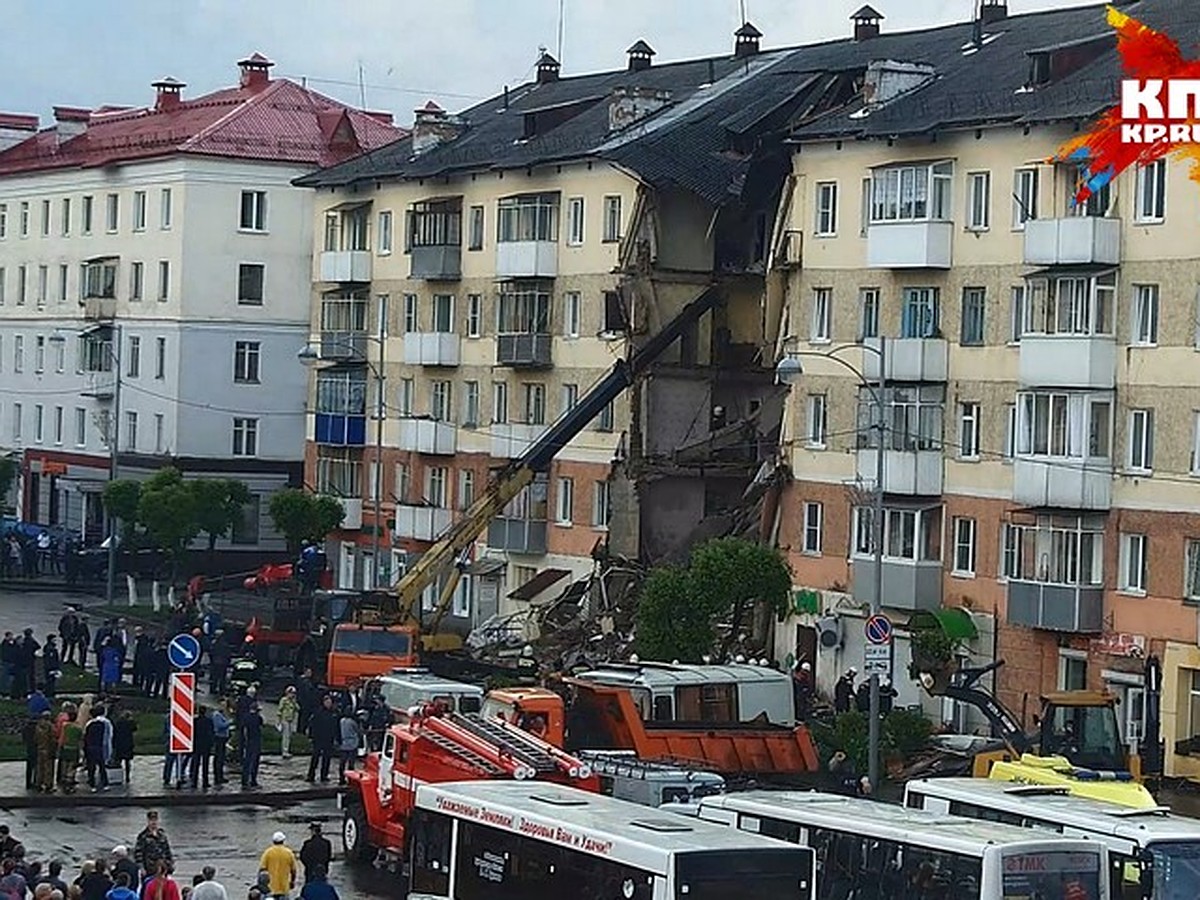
(70, 121)
(639, 56)
(993, 11)
(631, 104)
(169, 94)
(866, 23)
(547, 68)
(745, 41)
(15, 128)
(256, 72)
(433, 126)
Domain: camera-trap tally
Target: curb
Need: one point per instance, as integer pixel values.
(173, 798)
(46, 586)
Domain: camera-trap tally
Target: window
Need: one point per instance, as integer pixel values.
(443, 313)
(920, 314)
(523, 308)
(16, 423)
(160, 357)
(964, 546)
(1070, 305)
(39, 354)
(1059, 425)
(1141, 439)
(1025, 197)
(912, 193)
(246, 362)
(133, 349)
(476, 237)
(818, 424)
(3, 284)
(159, 433)
(58, 425)
(1010, 431)
(85, 214)
(99, 280)
(1066, 550)
(385, 232)
(571, 313)
(80, 427)
(968, 430)
(245, 437)
(139, 210)
(466, 488)
(65, 217)
(164, 280)
(913, 416)
(827, 208)
(1191, 585)
(434, 223)
(605, 420)
(400, 483)
(22, 284)
(1133, 563)
(250, 284)
(1150, 196)
(441, 408)
(1145, 315)
(535, 404)
(164, 209)
(131, 430)
(601, 508)
(565, 507)
(528, 217)
(868, 313)
(910, 535)
(18, 353)
(612, 219)
(383, 322)
(43, 286)
(570, 398)
(373, 485)
(24, 219)
(813, 521)
(1072, 670)
(404, 399)
(410, 314)
(470, 417)
(499, 402)
(137, 279)
(3, 221)
(474, 315)
(45, 218)
(60, 356)
(822, 314)
(575, 221)
(979, 201)
(1016, 314)
(39, 423)
(253, 211)
(436, 482)
(1195, 464)
(974, 303)
(112, 212)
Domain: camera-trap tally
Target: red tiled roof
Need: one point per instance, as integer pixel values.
(278, 122)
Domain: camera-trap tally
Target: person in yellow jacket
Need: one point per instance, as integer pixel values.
(279, 862)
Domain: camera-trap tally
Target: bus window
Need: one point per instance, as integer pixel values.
(1051, 873)
(430, 844)
(1176, 869)
(721, 875)
(469, 703)
(664, 710)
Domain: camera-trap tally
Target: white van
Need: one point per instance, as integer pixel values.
(402, 689)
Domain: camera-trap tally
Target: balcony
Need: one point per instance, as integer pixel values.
(1076, 240)
(99, 309)
(421, 523)
(909, 245)
(517, 535)
(906, 585)
(908, 359)
(1068, 360)
(511, 440)
(431, 348)
(441, 262)
(100, 385)
(353, 509)
(1062, 483)
(526, 259)
(346, 265)
(524, 351)
(1056, 607)
(340, 430)
(428, 436)
(911, 472)
(344, 345)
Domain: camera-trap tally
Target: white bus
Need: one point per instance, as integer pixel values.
(1153, 853)
(869, 849)
(520, 840)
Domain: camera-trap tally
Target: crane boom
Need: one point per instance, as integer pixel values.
(520, 472)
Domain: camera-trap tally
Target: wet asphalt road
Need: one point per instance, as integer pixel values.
(231, 838)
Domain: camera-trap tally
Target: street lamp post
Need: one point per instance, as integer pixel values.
(788, 371)
(310, 355)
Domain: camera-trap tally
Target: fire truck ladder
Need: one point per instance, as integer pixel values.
(454, 748)
(513, 742)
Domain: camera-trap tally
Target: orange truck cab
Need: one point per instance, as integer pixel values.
(536, 710)
(359, 652)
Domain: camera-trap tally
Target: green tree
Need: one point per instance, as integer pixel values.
(738, 575)
(301, 516)
(218, 506)
(121, 500)
(167, 511)
(669, 625)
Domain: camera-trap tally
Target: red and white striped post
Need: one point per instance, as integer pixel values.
(183, 709)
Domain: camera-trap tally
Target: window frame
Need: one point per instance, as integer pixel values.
(813, 528)
(476, 233)
(601, 505)
(1144, 311)
(826, 207)
(966, 547)
(474, 315)
(969, 430)
(817, 430)
(979, 201)
(927, 187)
(1140, 456)
(820, 326)
(247, 362)
(257, 210)
(572, 313)
(564, 502)
(245, 437)
(868, 312)
(576, 222)
(1026, 187)
(1150, 190)
(1133, 550)
(245, 273)
(139, 210)
(386, 233)
(611, 205)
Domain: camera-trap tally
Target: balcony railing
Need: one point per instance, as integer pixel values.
(353, 509)
(431, 348)
(908, 359)
(1056, 607)
(421, 523)
(100, 385)
(428, 436)
(1062, 483)
(346, 266)
(441, 262)
(510, 440)
(911, 472)
(99, 309)
(906, 585)
(531, 351)
(909, 245)
(339, 430)
(1068, 360)
(526, 259)
(1075, 240)
(517, 535)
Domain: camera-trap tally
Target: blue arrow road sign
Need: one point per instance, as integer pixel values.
(878, 629)
(183, 651)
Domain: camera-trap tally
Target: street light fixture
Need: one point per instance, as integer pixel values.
(789, 371)
(310, 355)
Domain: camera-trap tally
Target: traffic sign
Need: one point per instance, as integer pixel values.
(183, 708)
(878, 629)
(877, 660)
(183, 651)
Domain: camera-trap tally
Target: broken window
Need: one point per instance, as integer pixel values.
(615, 320)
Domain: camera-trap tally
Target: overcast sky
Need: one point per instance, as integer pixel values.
(91, 52)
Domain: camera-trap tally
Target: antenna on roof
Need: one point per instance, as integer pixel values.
(362, 87)
(562, 4)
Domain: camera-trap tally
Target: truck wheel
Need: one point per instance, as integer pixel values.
(354, 835)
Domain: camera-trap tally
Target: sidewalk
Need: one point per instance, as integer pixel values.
(282, 783)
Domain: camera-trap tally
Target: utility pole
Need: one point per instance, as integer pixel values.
(114, 442)
(877, 540)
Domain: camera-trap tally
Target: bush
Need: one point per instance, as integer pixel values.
(902, 732)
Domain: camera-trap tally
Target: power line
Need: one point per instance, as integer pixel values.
(425, 92)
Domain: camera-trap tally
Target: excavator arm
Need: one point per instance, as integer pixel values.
(520, 472)
(963, 688)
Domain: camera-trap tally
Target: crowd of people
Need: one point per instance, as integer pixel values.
(149, 871)
(26, 555)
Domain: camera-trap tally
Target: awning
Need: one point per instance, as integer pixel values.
(485, 567)
(954, 622)
(348, 205)
(538, 583)
(1067, 271)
